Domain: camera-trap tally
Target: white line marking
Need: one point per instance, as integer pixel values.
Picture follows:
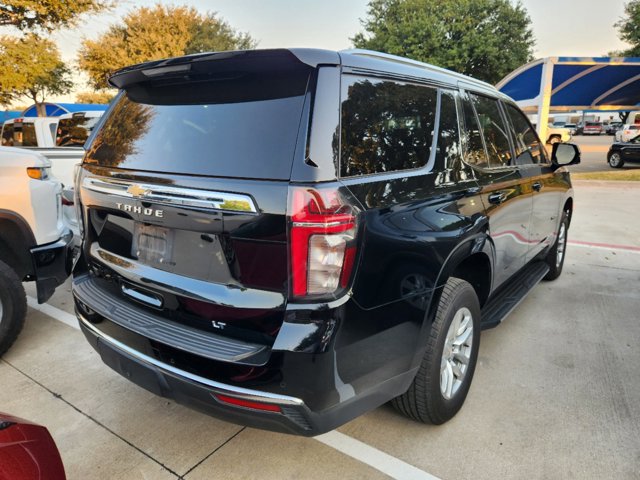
(373, 457)
(602, 247)
(54, 312)
(383, 462)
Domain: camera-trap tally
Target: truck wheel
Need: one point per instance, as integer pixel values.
(555, 257)
(615, 160)
(13, 307)
(442, 382)
(553, 139)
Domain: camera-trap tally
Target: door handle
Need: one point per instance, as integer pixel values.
(537, 186)
(497, 198)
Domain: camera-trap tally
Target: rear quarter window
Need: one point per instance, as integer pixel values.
(386, 125)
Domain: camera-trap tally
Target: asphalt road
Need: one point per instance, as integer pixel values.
(594, 153)
(556, 393)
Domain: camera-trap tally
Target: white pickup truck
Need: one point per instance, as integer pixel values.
(60, 139)
(35, 245)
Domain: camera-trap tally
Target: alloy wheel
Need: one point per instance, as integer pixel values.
(456, 353)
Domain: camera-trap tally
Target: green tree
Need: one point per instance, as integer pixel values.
(486, 39)
(94, 97)
(31, 67)
(46, 14)
(629, 30)
(155, 33)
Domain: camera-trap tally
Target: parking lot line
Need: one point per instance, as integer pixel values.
(345, 444)
(390, 465)
(604, 246)
(54, 312)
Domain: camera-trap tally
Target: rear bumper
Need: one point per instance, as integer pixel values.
(285, 414)
(52, 265)
(297, 391)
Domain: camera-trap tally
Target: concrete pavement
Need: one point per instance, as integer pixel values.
(556, 392)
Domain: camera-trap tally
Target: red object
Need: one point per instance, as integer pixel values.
(239, 402)
(27, 451)
(317, 212)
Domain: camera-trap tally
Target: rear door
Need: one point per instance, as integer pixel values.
(547, 189)
(505, 192)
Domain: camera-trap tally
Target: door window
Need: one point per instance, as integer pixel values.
(529, 149)
(494, 131)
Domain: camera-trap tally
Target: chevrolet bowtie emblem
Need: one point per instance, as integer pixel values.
(136, 190)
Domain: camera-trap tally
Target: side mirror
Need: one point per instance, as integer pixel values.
(564, 154)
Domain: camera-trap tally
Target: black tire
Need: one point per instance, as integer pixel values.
(615, 160)
(13, 307)
(425, 401)
(555, 263)
(553, 139)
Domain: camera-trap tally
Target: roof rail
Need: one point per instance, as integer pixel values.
(414, 63)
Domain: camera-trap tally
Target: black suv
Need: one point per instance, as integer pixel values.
(289, 238)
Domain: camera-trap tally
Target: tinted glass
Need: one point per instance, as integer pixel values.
(495, 133)
(529, 149)
(19, 135)
(74, 131)
(386, 126)
(7, 135)
(245, 126)
(448, 149)
(474, 153)
(28, 135)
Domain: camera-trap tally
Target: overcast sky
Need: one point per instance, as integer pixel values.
(561, 27)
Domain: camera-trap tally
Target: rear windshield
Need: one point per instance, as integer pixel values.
(73, 132)
(244, 126)
(19, 135)
(593, 124)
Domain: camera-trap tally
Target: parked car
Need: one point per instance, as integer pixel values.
(627, 132)
(29, 132)
(74, 128)
(572, 127)
(592, 128)
(622, 152)
(558, 134)
(287, 248)
(27, 451)
(34, 243)
(613, 127)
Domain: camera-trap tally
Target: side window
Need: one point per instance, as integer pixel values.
(52, 129)
(529, 149)
(494, 131)
(386, 125)
(448, 147)
(475, 153)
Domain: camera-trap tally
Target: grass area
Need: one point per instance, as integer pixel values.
(626, 175)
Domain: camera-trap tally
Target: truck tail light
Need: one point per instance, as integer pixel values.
(322, 240)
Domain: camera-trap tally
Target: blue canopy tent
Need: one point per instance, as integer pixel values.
(57, 109)
(565, 84)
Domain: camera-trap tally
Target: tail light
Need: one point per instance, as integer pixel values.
(322, 236)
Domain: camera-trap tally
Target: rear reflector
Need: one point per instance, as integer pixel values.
(239, 402)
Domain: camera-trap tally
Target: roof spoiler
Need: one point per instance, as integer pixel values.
(219, 63)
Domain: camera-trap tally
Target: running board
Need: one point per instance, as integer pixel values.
(509, 296)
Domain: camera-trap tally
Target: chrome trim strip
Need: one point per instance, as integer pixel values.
(319, 224)
(223, 388)
(141, 297)
(175, 196)
(227, 295)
